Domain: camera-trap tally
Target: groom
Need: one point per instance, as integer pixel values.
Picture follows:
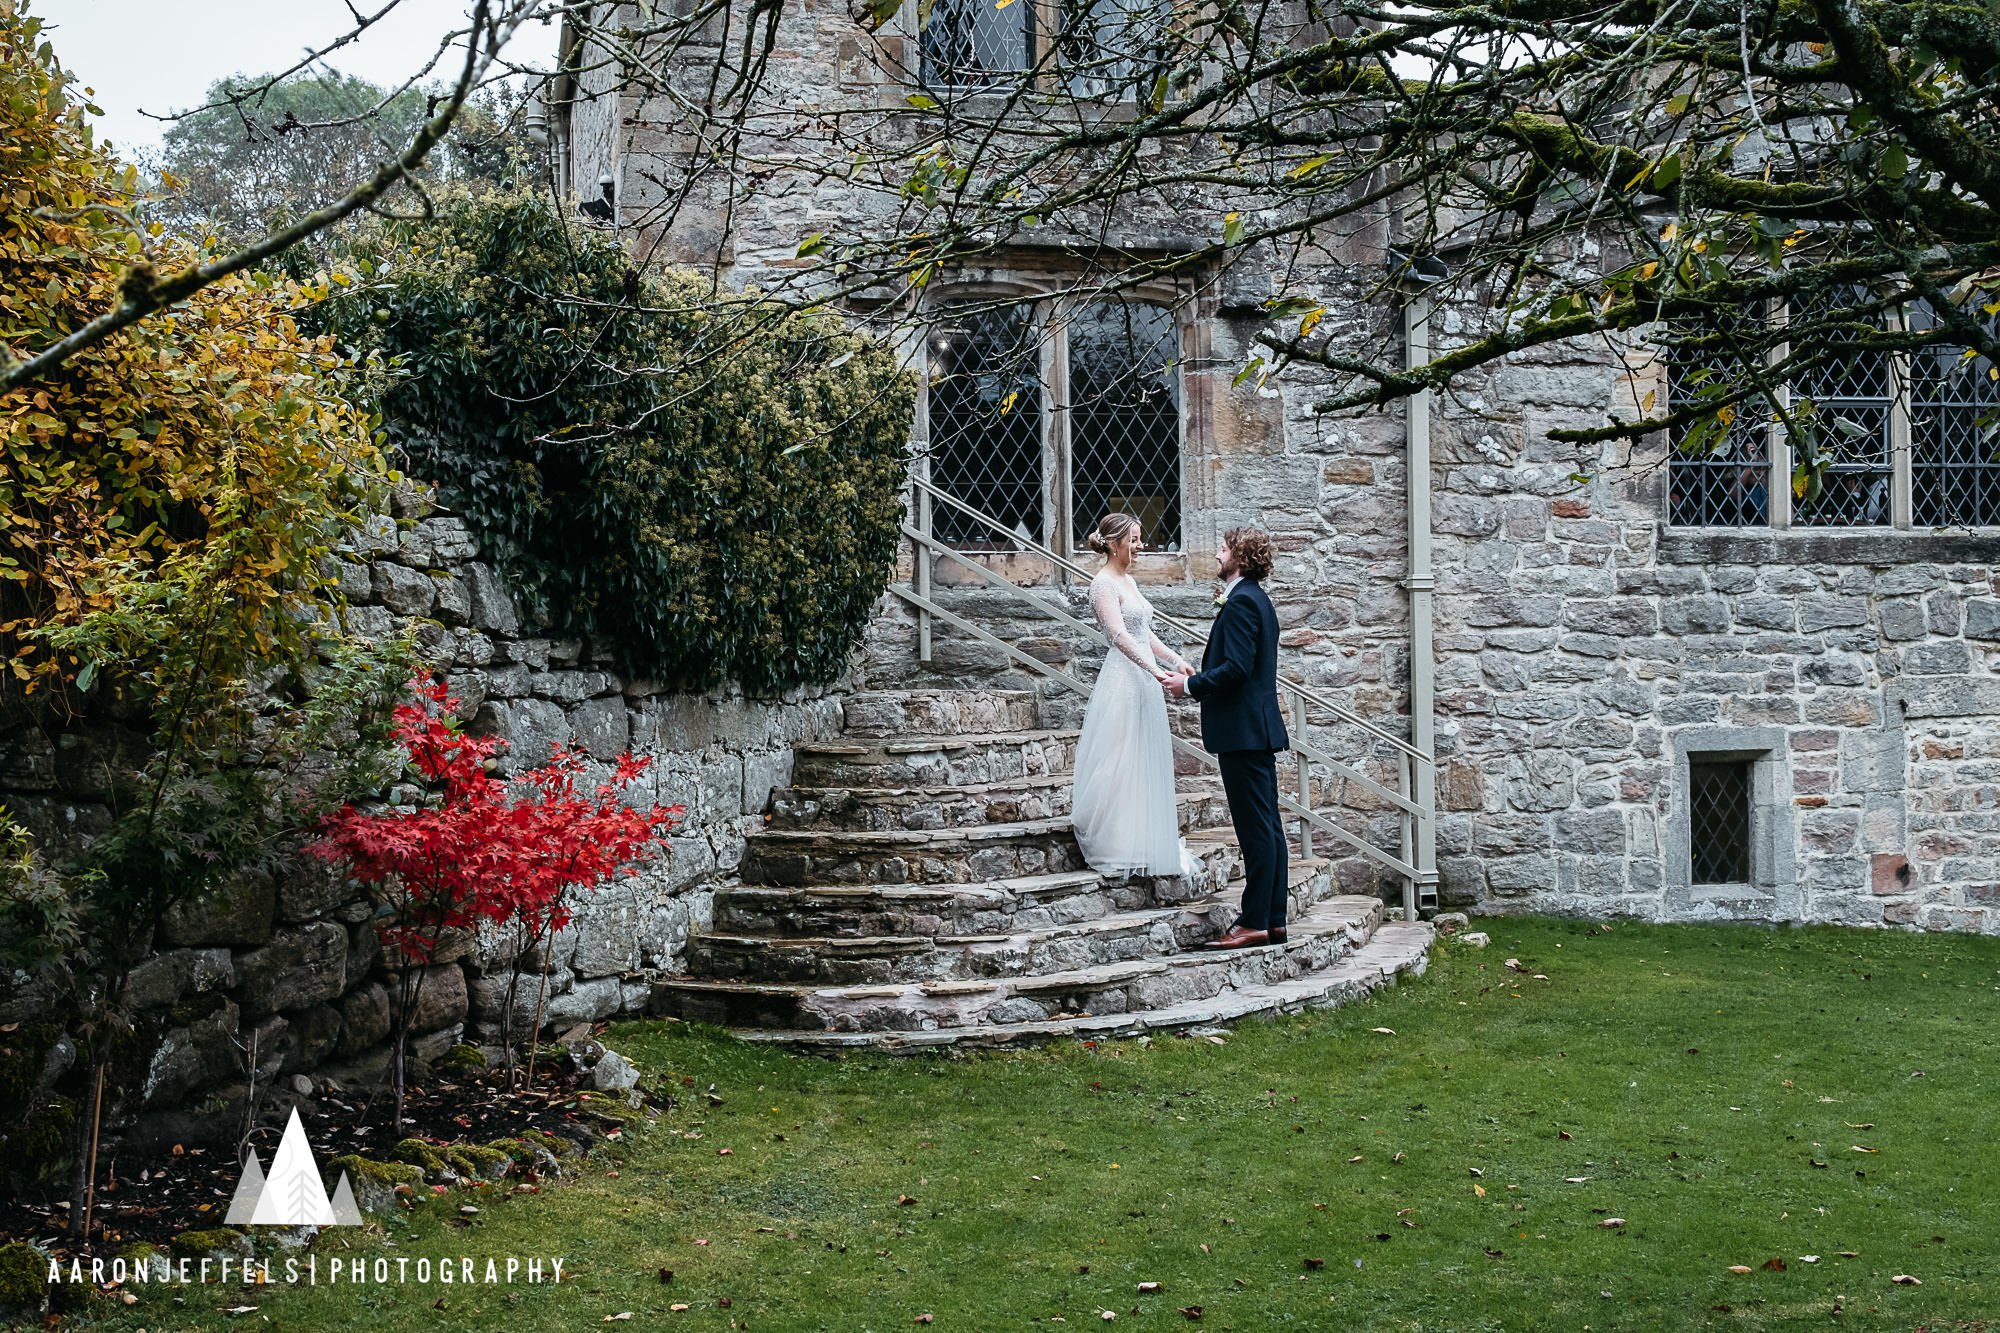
(1241, 726)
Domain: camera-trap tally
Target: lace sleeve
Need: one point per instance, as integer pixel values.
(1104, 601)
(1166, 654)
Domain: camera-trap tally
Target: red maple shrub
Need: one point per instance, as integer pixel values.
(479, 848)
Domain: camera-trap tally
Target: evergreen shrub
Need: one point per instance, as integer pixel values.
(705, 489)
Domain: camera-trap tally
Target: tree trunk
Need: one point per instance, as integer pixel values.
(535, 1037)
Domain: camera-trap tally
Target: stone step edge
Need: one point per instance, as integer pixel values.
(1396, 950)
(1027, 781)
(886, 745)
(996, 892)
(902, 837)
(1110, 923)
(1317, 922)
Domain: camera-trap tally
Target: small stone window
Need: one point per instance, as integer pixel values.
(1731, 829)
(1718, 820)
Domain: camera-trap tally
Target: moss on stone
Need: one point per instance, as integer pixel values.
(519, 1150)
(463, 1059)
(418, 1153)
(197, 1244)
(605, 1106)
(24, 1275)
(555, 1143)
(386, 1174)
(470, 1159)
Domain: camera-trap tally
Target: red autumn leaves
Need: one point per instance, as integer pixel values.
(486, 849)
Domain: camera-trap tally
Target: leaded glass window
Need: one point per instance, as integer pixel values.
(1719, 820)
(1112, 47)
(986, 421)
(975, 43)
(1850, 392)
(1125, 418)
(1719, 473)
(1049, 460)
(1954, 435)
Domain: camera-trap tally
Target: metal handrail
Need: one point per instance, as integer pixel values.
(1340, 711)
(1414, 767)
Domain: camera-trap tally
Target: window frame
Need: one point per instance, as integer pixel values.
(1049, 304)
(1773, 891)
(1046, 74)
(1779, 505)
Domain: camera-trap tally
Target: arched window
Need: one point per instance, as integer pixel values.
(1049, 460)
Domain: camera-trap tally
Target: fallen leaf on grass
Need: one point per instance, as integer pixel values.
(1480, 1190)
(1148, 1288)
(1564, 1135)
(1474, 1171)
(1905, 1280)
(1858, 1148)
(1219, 1041)
(1513, 965)
(1352, 1160)
(678, 1308)
(1611, 1223)
(1774, 1265)
(614, 1318)
(923, 1319)
(1193, 1312)
(1397, 1158)
(1808, 1258)
(725, 1152)
(236, 1309)
(666, 1276)
(1107, 1315)
(1575, 1180)
(1315, 1263)
(701, 1242)
(904, 1201)
(1850, 1254)
(1387, 1032)
(1739, 1268)
(1869, 1125)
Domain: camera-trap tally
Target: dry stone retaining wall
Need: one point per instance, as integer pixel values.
(283, 973)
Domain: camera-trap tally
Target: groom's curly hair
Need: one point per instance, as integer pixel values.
(1252, 547)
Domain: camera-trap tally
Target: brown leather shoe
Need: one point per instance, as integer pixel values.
(1275, 935)
(1236, 937)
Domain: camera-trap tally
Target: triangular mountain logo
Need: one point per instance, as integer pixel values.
(293, 1194)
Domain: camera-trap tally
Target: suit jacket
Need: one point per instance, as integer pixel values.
(1237, 685)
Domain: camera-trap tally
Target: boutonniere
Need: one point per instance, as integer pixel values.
(1221, 596)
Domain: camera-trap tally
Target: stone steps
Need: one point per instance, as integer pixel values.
(878, 809)
(891, 713)
(972, 855)
(934, 761)
(930, 954)
(875, 960)
(1395, 950)
(1326, 933)
(921, 885)
(1004, 907)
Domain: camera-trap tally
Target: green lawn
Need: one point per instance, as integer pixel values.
(1710, 1086)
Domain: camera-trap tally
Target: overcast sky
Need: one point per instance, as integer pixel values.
(161, 55)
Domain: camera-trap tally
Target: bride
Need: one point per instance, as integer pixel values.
(1122, 803)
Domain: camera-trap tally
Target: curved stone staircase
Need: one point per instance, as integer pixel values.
(919, 886)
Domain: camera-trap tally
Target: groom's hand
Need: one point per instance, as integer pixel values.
(1175, 686)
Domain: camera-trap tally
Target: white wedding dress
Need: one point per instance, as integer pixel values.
(1122, 803)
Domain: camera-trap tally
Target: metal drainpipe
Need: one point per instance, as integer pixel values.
(1423, 683)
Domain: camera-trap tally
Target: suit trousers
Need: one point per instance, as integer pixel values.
(1250, 781)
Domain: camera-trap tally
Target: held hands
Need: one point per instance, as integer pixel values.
(1175, 685)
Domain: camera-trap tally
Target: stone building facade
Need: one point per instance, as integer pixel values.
(1640, 708)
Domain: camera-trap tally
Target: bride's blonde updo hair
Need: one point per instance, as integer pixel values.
(1111, 530)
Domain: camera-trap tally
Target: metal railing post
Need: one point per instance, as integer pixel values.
(920, 574)
(1406, 777)
(1305, 778)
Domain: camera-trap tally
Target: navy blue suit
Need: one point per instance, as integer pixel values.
(1242, 726)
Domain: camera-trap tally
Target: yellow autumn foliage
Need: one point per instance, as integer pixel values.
(213, 432)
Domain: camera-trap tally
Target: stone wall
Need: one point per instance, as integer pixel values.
(1583, 650)
(282, 974)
